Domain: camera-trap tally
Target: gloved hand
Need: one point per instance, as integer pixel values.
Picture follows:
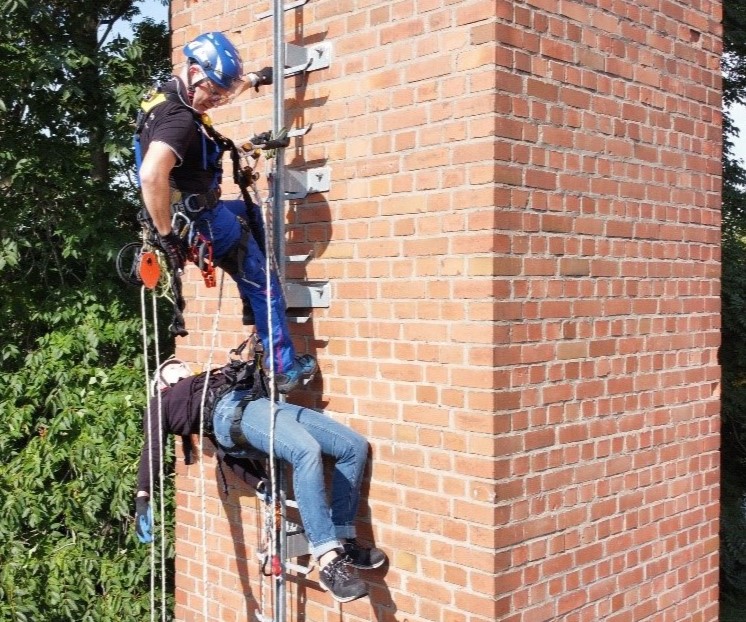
(175, 251)
(260, 78)
(143, 520)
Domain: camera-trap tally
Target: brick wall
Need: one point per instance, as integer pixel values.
(405, 119)
(530, 347)
(608, 197)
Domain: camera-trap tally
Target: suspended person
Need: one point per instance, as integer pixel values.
(237, 418)
(179, 158)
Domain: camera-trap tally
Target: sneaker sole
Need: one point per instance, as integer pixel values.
(378, 565)
(339, 599)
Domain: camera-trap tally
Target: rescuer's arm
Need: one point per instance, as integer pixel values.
(154, 183)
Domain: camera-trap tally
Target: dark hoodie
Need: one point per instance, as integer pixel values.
(180, 407)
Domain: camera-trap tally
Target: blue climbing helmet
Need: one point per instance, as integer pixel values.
(218, 58)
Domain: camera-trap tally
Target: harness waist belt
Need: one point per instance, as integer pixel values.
(195, 204)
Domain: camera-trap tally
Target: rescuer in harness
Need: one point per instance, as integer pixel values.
(179, 161)
(238, 418)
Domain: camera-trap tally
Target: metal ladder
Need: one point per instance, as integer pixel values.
(286, 184)
(290, 184)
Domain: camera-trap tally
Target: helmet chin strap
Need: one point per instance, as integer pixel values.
(191, 87)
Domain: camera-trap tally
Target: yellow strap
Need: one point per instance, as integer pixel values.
(148, 104)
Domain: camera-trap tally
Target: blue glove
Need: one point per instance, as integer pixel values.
(143, 520)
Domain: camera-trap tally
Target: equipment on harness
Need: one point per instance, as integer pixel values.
(200, 252)
(144, 263)
(195, 204)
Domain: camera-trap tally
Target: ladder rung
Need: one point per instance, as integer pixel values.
(298, 258)
(299, 131)
(304, 570)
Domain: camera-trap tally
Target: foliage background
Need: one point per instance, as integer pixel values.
(733, 348)
(70, 342)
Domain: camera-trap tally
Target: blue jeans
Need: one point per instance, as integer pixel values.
(301, 437)
(221, 226)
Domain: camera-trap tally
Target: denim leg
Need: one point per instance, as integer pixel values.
(301, 436)
(221, 226)
(252, 286)
(350, 451)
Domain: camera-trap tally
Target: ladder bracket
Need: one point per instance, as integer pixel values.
(301, 59)
(287, 7)
(299, 258)
(297, 545)
(299, 131)
(307, 294)
(299, 184)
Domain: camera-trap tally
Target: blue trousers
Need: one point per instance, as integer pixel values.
(221, 226)
(301, 437)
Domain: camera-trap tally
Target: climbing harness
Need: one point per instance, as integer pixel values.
(144, 263)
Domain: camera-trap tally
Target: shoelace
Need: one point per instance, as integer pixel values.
(340, 569)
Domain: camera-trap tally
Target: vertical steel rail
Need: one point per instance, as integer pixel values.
(278, 123)
(278, 243)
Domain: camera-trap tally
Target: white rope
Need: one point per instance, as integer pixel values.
(202, 494)
(149, 393)
(161, 478)
(143, 314)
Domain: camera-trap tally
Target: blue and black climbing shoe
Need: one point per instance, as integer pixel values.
(304, 367)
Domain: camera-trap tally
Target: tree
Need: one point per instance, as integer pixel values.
(70, 338)
(733, 348)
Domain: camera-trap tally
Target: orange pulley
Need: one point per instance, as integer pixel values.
(150, 271)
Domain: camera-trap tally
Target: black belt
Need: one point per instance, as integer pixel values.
(195, 204)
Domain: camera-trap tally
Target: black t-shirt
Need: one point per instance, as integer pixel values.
(180, 409)
(199, 165)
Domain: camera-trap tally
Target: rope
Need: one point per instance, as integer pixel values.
(162, 502)
(277, 561)
(149, 393)
(202, 494)
(143, 314)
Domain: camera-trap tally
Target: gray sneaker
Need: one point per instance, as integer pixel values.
(339, 578)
